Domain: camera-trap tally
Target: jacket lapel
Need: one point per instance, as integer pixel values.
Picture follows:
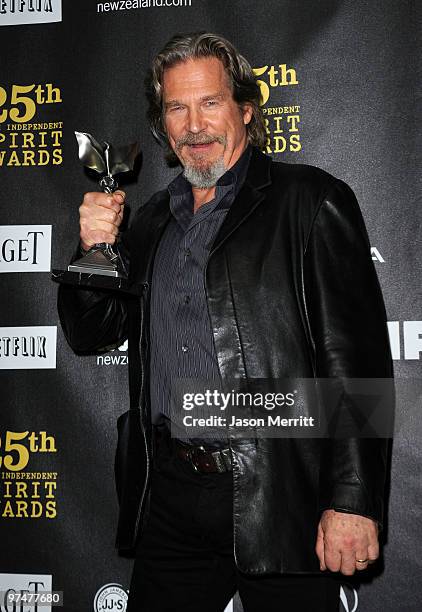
(146, 237)
(248, 198)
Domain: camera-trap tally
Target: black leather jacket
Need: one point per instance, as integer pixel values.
(292, 292)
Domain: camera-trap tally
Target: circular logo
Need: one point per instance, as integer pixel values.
(349, 598)
(110, 598)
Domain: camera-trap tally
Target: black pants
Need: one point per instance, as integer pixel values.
(185, 559)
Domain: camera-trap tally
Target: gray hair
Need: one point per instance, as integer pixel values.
(183, 47)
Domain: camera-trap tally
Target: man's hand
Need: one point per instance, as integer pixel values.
(100, 217)
(344, 539)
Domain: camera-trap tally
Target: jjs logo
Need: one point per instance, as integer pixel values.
(110, 598)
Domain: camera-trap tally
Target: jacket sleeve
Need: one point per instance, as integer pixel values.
(347, 320)
(92, 321)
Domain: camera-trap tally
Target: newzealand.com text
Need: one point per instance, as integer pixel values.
(123, 5)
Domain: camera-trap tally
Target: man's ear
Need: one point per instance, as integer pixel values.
(247, 112)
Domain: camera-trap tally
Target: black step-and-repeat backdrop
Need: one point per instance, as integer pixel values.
(338, 82)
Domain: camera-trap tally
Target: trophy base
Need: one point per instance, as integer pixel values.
(100, 268)
(90, 280)
(101, 260)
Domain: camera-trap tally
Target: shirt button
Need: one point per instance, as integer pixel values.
(186, 299)
(185, 348)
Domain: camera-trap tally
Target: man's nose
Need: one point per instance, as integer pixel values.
(195, 120)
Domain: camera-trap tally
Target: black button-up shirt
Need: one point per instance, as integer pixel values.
(182, 344)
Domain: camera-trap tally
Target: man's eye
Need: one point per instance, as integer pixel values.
(210, 103)
(174, 109)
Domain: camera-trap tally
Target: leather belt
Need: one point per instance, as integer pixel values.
(204, 460)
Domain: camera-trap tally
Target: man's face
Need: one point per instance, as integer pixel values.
(205, 126)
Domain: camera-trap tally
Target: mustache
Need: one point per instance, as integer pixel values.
(193, 139)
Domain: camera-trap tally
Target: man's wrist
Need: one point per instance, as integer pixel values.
(345, 511)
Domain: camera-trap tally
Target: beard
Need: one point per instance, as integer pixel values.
(204, 177)
(202, 173)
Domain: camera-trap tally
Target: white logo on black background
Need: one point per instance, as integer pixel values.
(229, 607)
(16, 12)
(116, 358)
(23, 348)
(349, 599)
(25, 248)
(376, 255)
(411, 335)
(21, 584)
(111, 597)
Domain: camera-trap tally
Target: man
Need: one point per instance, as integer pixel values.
(251, 270)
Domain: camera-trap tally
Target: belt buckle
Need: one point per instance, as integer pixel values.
(191, 453)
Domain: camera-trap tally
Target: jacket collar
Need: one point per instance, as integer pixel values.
(258, 175)
(250, 195)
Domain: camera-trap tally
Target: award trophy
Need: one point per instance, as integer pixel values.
(102, 266)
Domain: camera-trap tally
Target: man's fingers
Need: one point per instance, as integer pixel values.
(94, 225)
(120, 196)
(97, 198)
(115, 201)
(319, 548)
(100, 217)
(332, 559)
(361, 555)
(99, 214)
(101, 232)
(110, 215)
(348, 562)
(111, 201)
(373, 552)
(99, 237)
